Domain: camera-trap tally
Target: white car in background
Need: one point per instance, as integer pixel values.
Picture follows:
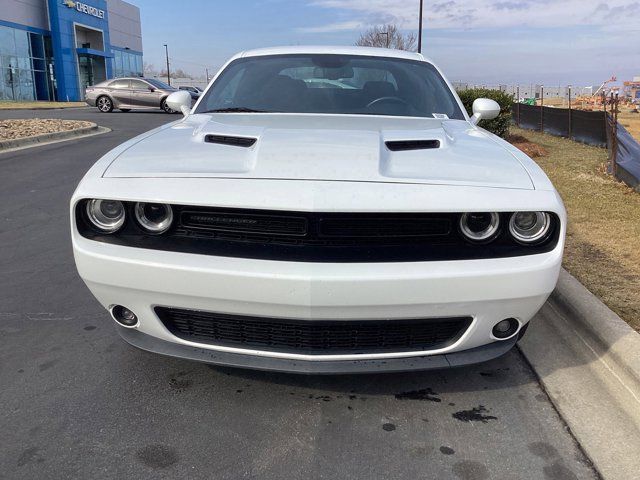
(321, 210)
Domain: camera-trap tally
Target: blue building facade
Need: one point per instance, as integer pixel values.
(53, 50)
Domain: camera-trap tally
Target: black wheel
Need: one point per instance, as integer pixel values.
(125, 110)
(104, 104)
(165, 107)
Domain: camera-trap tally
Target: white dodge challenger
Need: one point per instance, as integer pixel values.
(321, 210)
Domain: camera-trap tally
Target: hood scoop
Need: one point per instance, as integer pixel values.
(245, 142)
(404, 145)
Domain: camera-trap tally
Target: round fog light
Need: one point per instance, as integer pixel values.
(505, 328)
(124, 316)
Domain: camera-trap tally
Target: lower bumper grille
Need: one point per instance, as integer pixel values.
(313, 336)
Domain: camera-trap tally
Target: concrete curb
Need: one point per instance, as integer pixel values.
(587, 359)
(612, 333)
(48, 137)
(35, 109)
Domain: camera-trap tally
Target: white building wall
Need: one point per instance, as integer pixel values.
(32, 13)
(124, 25)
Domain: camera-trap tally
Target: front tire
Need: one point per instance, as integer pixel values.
(165, 107)
(104, 104)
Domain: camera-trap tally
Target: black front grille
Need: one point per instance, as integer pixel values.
(291, 228)
(336, 237)
(313, 336)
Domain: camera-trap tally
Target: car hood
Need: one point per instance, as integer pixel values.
(323, 147)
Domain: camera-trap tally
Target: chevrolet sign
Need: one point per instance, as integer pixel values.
(84, 8)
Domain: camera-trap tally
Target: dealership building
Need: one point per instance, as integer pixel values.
(53, 49)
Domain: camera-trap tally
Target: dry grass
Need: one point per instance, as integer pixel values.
(4, 105)
(630, 121)
(603, 237)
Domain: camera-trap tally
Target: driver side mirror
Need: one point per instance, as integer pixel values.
(151, 89)
(484, 109)
(180, 101)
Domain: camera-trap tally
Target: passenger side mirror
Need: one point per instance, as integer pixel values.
(151, 89)
(484, 109)
(180, 101)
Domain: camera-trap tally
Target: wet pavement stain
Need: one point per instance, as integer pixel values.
(388, 427)
(157, 456)
(543, 450)
(29, 455)
(47, 365)
(179, 385)
(470, 470)
(476, 414)
(447, 450)
(558, 471)
(423, 394)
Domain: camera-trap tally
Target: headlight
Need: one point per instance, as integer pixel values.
(154, 217)
(106, 215)
(479, 226)
(529, 227)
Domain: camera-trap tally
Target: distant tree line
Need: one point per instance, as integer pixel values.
(387, 36)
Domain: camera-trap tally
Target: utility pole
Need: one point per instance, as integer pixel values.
(207, 71)
(420, 29)
(387, 38)
(166, 51)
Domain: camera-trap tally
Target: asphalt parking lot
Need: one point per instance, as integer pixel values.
(80, 403)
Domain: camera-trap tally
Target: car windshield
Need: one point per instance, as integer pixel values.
(332, 84)
(158, 84)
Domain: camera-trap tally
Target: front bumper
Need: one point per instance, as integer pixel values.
(488, 290)
(236, 360)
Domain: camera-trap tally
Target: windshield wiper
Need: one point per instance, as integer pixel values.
(235, 110)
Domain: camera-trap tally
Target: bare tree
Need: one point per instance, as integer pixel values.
(149, 69)
(387, 36)
(177, 73)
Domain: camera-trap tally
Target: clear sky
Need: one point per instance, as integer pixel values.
(555, 42)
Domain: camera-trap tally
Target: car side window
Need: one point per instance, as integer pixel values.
(139, 85)
(119, 84)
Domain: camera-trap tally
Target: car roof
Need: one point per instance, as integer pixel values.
(129, 78)
(335, 50)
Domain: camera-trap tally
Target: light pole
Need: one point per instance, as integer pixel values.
(166, 51)
(420, 29)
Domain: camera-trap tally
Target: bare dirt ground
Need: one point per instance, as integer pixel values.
(603, 237)
(13, 129)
